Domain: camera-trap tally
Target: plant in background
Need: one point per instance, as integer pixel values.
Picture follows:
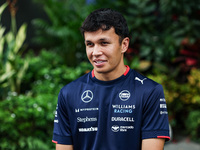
(189, 56)
(183, 101)
(4, 76)
(157, 30)
(27, 119)
(191, 99)
(193, 125)
(61, 32)
(158, 27)
(12, 67)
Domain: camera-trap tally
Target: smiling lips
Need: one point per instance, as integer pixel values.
(99, 63)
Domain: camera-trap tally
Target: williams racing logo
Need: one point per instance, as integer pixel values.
(122, 109)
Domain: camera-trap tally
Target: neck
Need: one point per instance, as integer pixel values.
(110, 75)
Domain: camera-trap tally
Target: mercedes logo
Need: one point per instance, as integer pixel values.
(87, 96)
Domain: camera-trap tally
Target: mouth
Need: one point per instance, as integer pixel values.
(99, 63)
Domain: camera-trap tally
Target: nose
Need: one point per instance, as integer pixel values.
(96, 51)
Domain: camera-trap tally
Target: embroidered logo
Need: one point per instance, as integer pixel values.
(138, 79)
(115, 128)
(124, 95)
(87, 96)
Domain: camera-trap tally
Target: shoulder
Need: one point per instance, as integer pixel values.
(150, 91)
(144, 84)
(142, 80)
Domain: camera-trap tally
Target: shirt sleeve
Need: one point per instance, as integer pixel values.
(62, 132)
(155, 116)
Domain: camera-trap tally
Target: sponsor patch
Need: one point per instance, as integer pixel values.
(122, 119)
(87, 96)
(116, 128)
(86, 119)
(91, 129)
(77, 110)
(124, 95)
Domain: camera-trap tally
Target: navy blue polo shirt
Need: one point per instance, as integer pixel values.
(110, 115)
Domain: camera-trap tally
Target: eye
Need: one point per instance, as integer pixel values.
(90, 44)
(104, 43)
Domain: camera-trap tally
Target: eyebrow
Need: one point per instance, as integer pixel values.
(102, 39)
(87, 41)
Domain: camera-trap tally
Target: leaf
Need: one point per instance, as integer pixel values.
(41, 24)
(6, 76)
(2, 9)
(2, 40)
(144, 65)
(160, 67)
(21, 72)
(20, 38)
(9, 37)
(135, 62)
(145, 50)
(2, 30)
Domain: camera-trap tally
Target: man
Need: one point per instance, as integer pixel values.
(113, 107)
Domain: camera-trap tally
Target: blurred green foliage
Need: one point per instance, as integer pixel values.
(30, 85)
(160, 26)
(61, 32)
(12, 66)
(24, 118)
(183, 100)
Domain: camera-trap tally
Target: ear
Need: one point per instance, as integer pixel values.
(125, 45)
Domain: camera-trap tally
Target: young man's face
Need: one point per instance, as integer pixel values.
(105, 52)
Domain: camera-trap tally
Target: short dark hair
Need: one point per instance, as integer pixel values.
(104, 19)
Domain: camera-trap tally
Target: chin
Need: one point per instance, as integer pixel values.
(101, 70)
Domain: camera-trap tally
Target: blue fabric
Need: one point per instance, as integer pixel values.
(110, 115)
